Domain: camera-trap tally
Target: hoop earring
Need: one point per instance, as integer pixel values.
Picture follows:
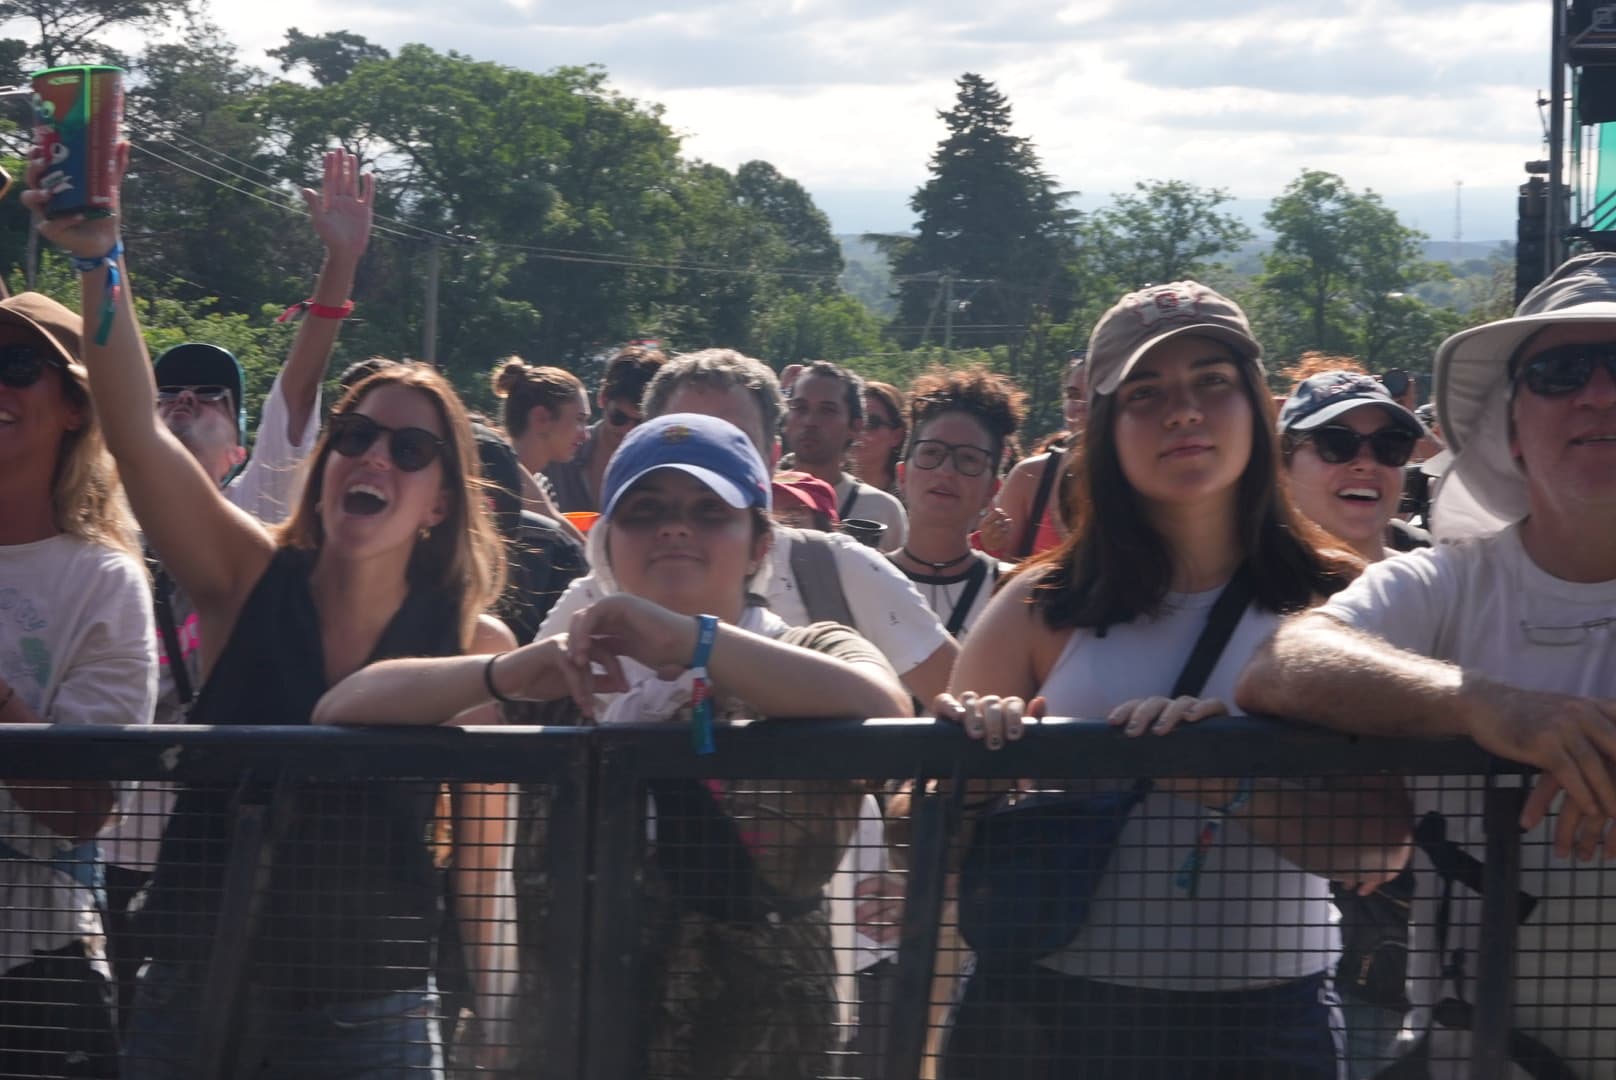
(423, 533)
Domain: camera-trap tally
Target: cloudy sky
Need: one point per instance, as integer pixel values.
(1403, 97)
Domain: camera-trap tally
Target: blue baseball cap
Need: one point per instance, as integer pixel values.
(714, 451)
(1321, 398)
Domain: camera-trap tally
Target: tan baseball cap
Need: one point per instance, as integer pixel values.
(57, 324)
(1144, 319)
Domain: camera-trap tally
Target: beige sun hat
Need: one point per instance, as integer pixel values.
(1484, 489)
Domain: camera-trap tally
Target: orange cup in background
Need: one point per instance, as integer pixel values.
(582, 520)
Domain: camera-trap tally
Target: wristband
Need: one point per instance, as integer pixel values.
(319, 311)
(1189, 874)
(488, 680)
(109, 301)
(701, 690)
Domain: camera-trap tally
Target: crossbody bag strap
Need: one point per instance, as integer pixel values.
(819, 582)
(163, 607)
(1220, 625)
(962, 606)
(847, 503)
(1040, 503)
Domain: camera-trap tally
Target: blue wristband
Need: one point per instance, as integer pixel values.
(701, 701)
(109, 303)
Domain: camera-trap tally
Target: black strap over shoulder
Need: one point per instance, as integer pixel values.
(163, 607)
(847, 503)
(962, 606)
(1220, 624)
(1040, 503)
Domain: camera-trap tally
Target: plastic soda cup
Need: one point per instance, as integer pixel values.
(78, 119)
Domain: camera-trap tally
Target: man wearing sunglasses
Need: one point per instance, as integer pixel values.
(1506, 634)
(628, 373)
(1345, 441)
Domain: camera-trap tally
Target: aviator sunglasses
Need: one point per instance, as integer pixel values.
(21, 365)
(1337, 445)
(1565, 369)
(412, 449)
(205, 395)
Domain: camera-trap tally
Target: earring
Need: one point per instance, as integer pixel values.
(424, 533)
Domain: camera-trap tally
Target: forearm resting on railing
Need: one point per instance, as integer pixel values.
(1357, 831)
(75, 809)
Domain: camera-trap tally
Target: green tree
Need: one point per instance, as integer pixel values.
(1340, 275)
(798, 327)
(993, 232)
(74, 31)
(1164, 230)
(787, 206)
(330, 57)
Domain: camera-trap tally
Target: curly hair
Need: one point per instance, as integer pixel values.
(992, 399)
(523, 386)
(1313, 363)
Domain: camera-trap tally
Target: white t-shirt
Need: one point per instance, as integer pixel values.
(1256, 918)
(873, 504)
(76, 645)
(889, 612)
(269, 486)
(267, 489)
(943, 592)
(1484, 605)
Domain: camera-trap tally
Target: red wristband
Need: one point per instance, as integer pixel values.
(319, 311)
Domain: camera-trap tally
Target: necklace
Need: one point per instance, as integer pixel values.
(937, 567)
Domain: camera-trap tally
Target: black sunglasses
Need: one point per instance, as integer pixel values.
(1565, 369)
(205, 395)
(619, 418)
(1392, 447)
(411, 448)
(22, 365)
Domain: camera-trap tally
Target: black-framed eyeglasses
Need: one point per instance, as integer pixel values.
(412, 449)
(205, 395)
(1337, 445)
(968, 460)
(21, 365)
(1565, 369)
(619, 418)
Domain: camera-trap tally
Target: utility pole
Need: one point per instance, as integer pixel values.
(1553, 227)
(948, 313)
(429, 321)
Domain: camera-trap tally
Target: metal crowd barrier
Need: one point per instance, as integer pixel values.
(592, 930)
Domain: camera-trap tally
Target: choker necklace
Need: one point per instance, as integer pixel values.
(937, 567)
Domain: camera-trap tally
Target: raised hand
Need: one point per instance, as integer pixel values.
(77, 234)
(343, 208)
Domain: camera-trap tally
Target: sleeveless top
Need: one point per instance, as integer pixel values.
(1255, 919)
(354, 900)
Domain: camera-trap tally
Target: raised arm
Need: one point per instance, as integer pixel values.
(214, 551)
(341, 214)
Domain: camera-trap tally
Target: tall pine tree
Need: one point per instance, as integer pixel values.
(993, 234)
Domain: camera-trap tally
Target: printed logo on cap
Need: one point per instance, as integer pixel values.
(675, 433)
(1167, 303)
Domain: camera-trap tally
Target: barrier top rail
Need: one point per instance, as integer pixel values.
(794, 749)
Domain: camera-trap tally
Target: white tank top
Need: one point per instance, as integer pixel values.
(1256, 919)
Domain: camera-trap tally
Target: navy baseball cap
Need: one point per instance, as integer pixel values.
(197, 364)
(714, 451)
(1321, 398)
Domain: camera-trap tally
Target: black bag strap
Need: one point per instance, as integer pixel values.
(1040, 503)
(813, 566)
(1220, 625)
(163, 607)
(847, 503)
(962, 606)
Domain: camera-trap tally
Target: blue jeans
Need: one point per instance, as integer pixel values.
(387, 1038)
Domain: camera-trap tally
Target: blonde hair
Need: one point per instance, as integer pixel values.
(523, 386)
(87, 498)
(463, 555)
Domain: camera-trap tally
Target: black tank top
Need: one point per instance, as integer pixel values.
(354, 899)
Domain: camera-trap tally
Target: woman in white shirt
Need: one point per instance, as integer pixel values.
(1206, 949)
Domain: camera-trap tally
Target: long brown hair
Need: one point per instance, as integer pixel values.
(1115, 567)
(462, 555)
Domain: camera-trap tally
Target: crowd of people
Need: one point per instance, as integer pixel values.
(727, 542)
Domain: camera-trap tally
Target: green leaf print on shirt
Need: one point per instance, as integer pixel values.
(38, 658)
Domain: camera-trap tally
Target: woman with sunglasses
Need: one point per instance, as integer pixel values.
(876, 452)
(743, 976)
(962, 423)
(387, 553)
(1206, 951)
(75, 648)
(1345, 441)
